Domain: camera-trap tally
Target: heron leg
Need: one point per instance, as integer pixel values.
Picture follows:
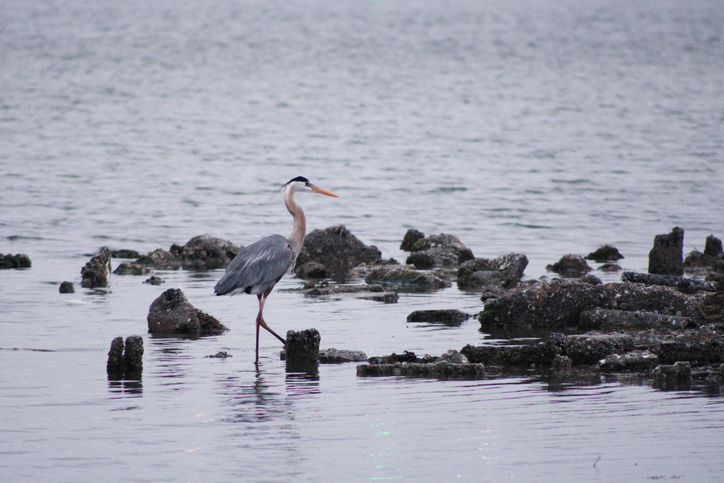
(260, 321)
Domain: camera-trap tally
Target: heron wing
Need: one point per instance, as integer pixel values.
(257, 267)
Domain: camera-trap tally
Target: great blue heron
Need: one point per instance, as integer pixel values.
(258, 267)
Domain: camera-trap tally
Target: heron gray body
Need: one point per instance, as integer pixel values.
(258, 267)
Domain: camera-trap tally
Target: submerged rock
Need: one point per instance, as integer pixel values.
(673, 377)
(450, 317)
(10, 261)
(502, 273)
(334, 356)
(666, 257)
(407, 278)
(302, 350)
(374, 292)
(160, 259)
(131, 269)
(205, 252)
(570, 266)
(124, 253)
(688, 285)
(67, 287)
(438, 251)
(154, 280)
(634, 361)
(172, 314)
(442, 370)
(337, 250)
(95, 273)
(606, 253)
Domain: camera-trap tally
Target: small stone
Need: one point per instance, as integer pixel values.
(67, 287)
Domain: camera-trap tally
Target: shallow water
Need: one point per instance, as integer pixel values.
(543, 128)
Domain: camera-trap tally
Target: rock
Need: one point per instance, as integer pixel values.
(687, 285)
(439, 251)
(696, 352)
(334, 356)
(95, 272)
(502, 273)
(673, 376)
(712, 306)
(609, 320)
(405, 277)
(302, 350)
(219, 355)
(67, 287)
(410, 238)
(123, 253)
(591, 279)
(154, 280)
(131, 269)
(570, 266)
(561, 364)
(559, 304)
(205, 252)
(634, 361)
(450, 317)
(337, 250)
(160, 259)
(442, 370)
(311, 270)
(454, 357)
(172, 314)
(20, 260)
(377, 293)
(606, 253)
(666, 257)
(610, 267)
(712, 246)
(125, 361)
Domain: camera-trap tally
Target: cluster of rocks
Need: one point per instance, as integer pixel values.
(125, 360)
(20, 260)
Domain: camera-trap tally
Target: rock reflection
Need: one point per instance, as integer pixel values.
(260, 401)
(121, 388)
(302, 383)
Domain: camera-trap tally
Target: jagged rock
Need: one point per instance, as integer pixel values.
(95, 272)
(502, 273)
(131, 269)
(67, 287)
(606, 253)
(334, 356)
(712, 246)
(634, 361)
(20, 260)
(609, 320)
(688, 285)
(559, 304)
(124, 253)
(125, 361)
(410, 238)
(133, 354)
(570, 266)
(438, 251)
(154, 280)
(449, 317)
(205, 252)
(172, 314)
(160, 259)
(666, 257)
(337, 250)
(116, 363)
(377, 293)
(405, 277)
(302, 350)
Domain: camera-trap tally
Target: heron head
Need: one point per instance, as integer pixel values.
(300, 183)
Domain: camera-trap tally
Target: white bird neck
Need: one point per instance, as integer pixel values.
(300, 222)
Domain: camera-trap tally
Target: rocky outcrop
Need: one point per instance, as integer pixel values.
(410, 238)
(337, 250)
(172, 314)
(374, 292)
(205, 252)
(606, 253)
(666, 257)
(20, 260)
(160, 259)
(449, 317)
(573, 266)
(438, 251)
(404, 277)
(450, 365)
(688, 285)
(95, 273)
(495, 276)
(126, 268)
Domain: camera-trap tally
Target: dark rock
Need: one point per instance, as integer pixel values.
(67, 287)
(666, 257)
(337, 250)
(334, 356)
(302, 351)
(697, 352)
(673, 377)
(441, 370)
(712, 246)
(133, 254)
(125, 361)
(610, 320)
(160, 259)
(448, 317)
(172, 314)
(591, 279)
(205, 252)
(634, 361)
(131, 269)
(20, 260)
(606, 253)
(610, 267)
(503, 273)
(561, 364)
(374, 292)
(570, 266)
(687, 285)
(95, 272)
(438, 251)
(405, 277)
(410, 238)
(154, 280)
(712, 306)
(220, 355)
(559, 304)
(311, 270)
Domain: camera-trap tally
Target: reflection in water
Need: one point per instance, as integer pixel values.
(121, 388)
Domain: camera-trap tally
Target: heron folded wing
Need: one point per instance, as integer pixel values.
(258, 267)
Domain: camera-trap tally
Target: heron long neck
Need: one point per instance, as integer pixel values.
(300, 222)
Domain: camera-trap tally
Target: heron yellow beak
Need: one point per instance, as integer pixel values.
(323, 192)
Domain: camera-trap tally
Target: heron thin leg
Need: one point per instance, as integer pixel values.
(260, 322)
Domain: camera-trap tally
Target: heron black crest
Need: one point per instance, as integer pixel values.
(300, 179)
